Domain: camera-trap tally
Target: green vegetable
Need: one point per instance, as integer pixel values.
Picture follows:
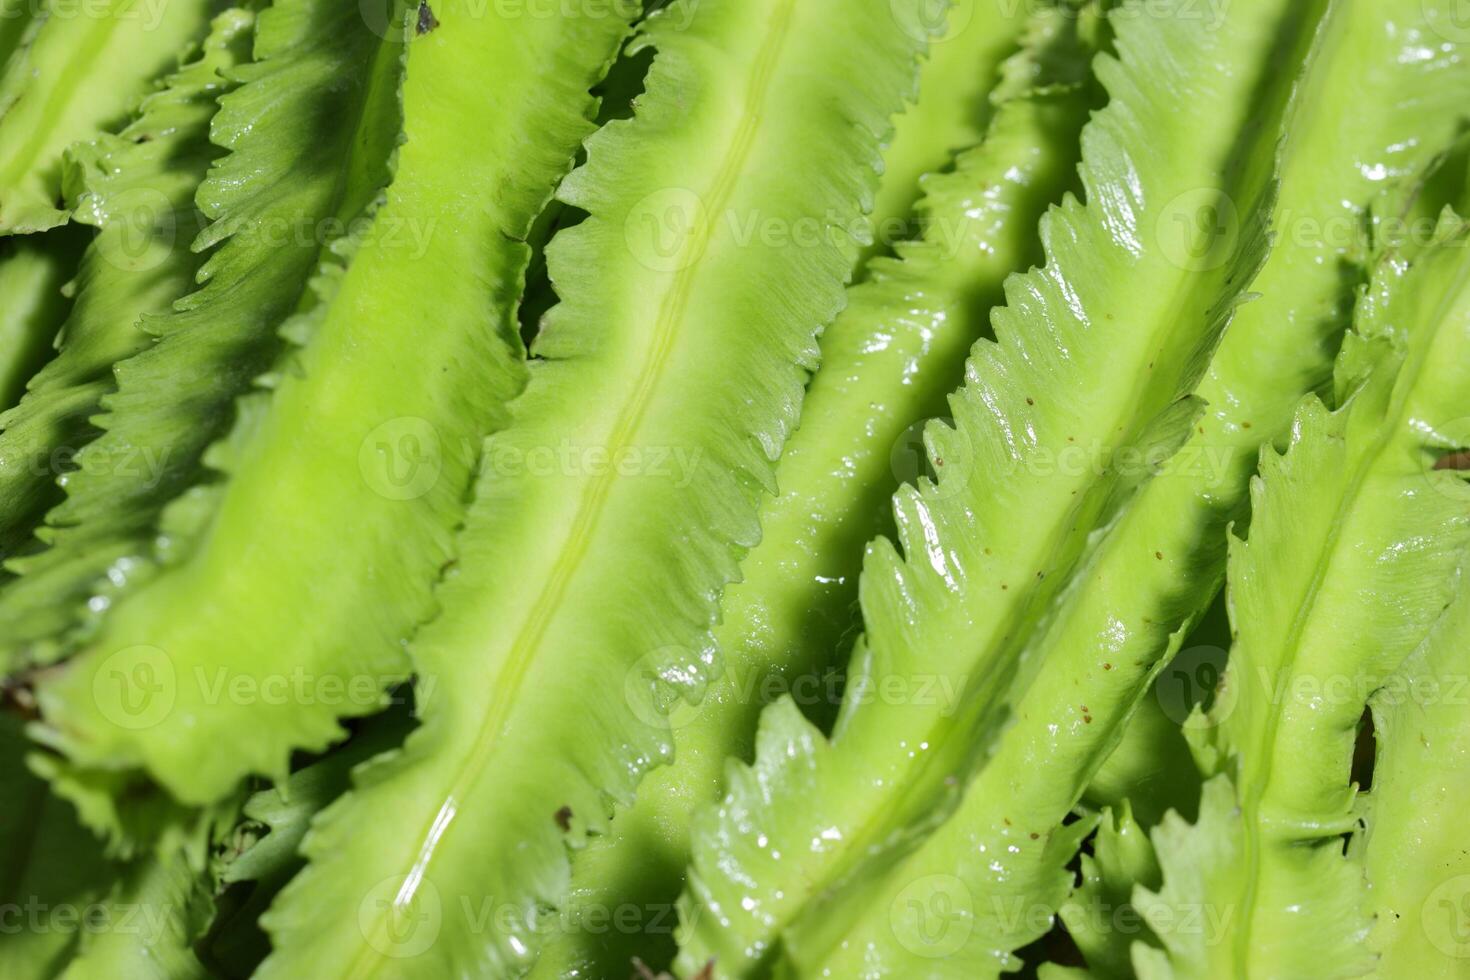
(734, 489)
(16, 18)
(33, 274)
(671, 372)
(1100, 916)
(48, 861)
(1088, 676)
(137, 188)
(1150, 769)
(344, 475)
(1353, 509)
(966, 48)
(153, 911)
(282, 199)
(1097, 350)
(1417, 864)
(261, 854)
(1277, 344)
(71, 71)
(887, 362)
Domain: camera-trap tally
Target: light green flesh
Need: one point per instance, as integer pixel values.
(1415, 857)
(78, 72)
(833, 589)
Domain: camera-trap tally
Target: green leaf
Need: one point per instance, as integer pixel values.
(309, 131)
(1095, 355)
(719, 238)
(1354, 547)
(33, 303)
(342, 479)
(74, 73)
(1099, 915)
(1145, 580)
(1198, 862)
(137, 188)
(968, 41)
(888, 361)
(284, 812)
(68, 910)
(51, 868)
(148, 923)
(1417, 863)
(261, 853)
(1152, 769)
